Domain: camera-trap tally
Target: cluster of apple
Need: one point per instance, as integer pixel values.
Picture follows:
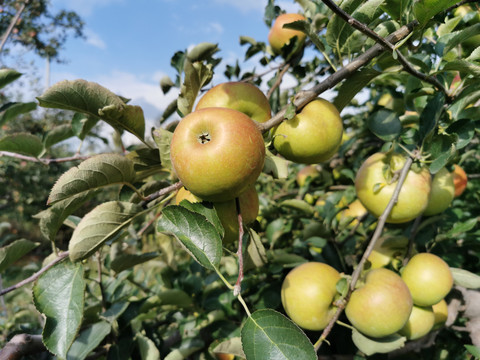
(384, 302)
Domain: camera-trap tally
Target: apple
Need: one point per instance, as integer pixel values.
(312, 136)
(241, 96)
(381, 306)
(307, 294)
(306, 172)
(227, 210)
(351, 214)
(442, 193)
(459, 180)
(387, 250)
(440, 310)
(279, 36)
(419, 324)
(376, 180)
(217, 153)
(428, 278)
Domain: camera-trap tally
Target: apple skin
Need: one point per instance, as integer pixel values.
(217, 153)
(227, 210)
(413, 197)
(459, 180)
(428, 278)
(419, 324)
(312, 136)
(240, 96)
(381, 306)
(308, 292)
(442, 193)
(279, 36)
(305, 172)
(440, 310)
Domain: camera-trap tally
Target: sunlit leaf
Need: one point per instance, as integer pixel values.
(7, 76)
(88, 340)
(197, 75)
(58, 134)
(371, 346)
(163, 138)
(424, 10)
(14, 251)
(465, 278)
(22, 143)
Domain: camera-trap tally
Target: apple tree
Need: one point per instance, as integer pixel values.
(321, 204)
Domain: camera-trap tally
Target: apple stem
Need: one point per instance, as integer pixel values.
(238, 285)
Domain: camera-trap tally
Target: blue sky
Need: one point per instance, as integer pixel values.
(129, 43)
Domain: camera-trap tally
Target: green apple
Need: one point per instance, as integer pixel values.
(440, 310)
(306, 172)
(376, 180)
(442, 193)
(381, 306)
(419, 324)
(241, 96)
(217, 153)
(308, 292)
(312, 136)
(279, 36)
(227, 210)
(428, 278)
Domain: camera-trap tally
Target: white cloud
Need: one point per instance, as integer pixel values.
(214, 27)
(84, 7)
(94, 39)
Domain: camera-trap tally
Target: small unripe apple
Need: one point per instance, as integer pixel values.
(419, 324)
(305, 172)
(376, 180)
(279, 36)
(459, 179)
(227, 210)
(217, 153)
(428, 278)
(440, 310)
(240, 96)
(442, 193)
(312, 136)
(308, 292)
(380, 307)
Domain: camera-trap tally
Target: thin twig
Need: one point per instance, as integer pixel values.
(43, 161)
(161, 192)
(99, 270)
(304, 97)
(411, 239)
(278, 81)
(376, 235)
(238, 285)
(12, 24)
(35, 276)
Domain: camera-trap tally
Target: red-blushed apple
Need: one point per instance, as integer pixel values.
(305, 172)
(308, 292)
(227, 210)
(419, 324)
(217, 153)
(279, 36)
(428, 278)
(440, 310)
(442, 193)
(237, 95)
(312, 136)
(381, 306)
(375, 190)
(459, 179)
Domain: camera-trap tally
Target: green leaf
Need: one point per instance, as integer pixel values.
(269, 335)
(338, 29)
(148, 350)
(14, 251)
(430, 115)
(464, 130)
(82, 124)
(474, 350)
(353, 85)
(88, 340)
(202, 51)
(166, 84)
(146, 162)
(447, 42)
(309, 30)
(58, 134)
(195, 232)
(298, 204)
(197, 75)
(230, 346)
(424, 10)
(462, 227)
(59, 295)
(371, 346)
(465, 278)
(22, 143)
(385, 124)
(176, 297)
(275, 165)
(463, 66)
(448, 26)
(94, 173)
(11, 110)
(101, 224)
(7, 76)
(93, 99)
(163, 139)
(127, 261)
(206, 209)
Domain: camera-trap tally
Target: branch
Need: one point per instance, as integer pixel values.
(161, 192)
(35, 276)
(21, 345)
(43, 161)
(304, 97)
(387, 44)
(376, 235)
(281, 73)
(12, 24)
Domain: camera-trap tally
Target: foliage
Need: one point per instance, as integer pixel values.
(147, 279)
